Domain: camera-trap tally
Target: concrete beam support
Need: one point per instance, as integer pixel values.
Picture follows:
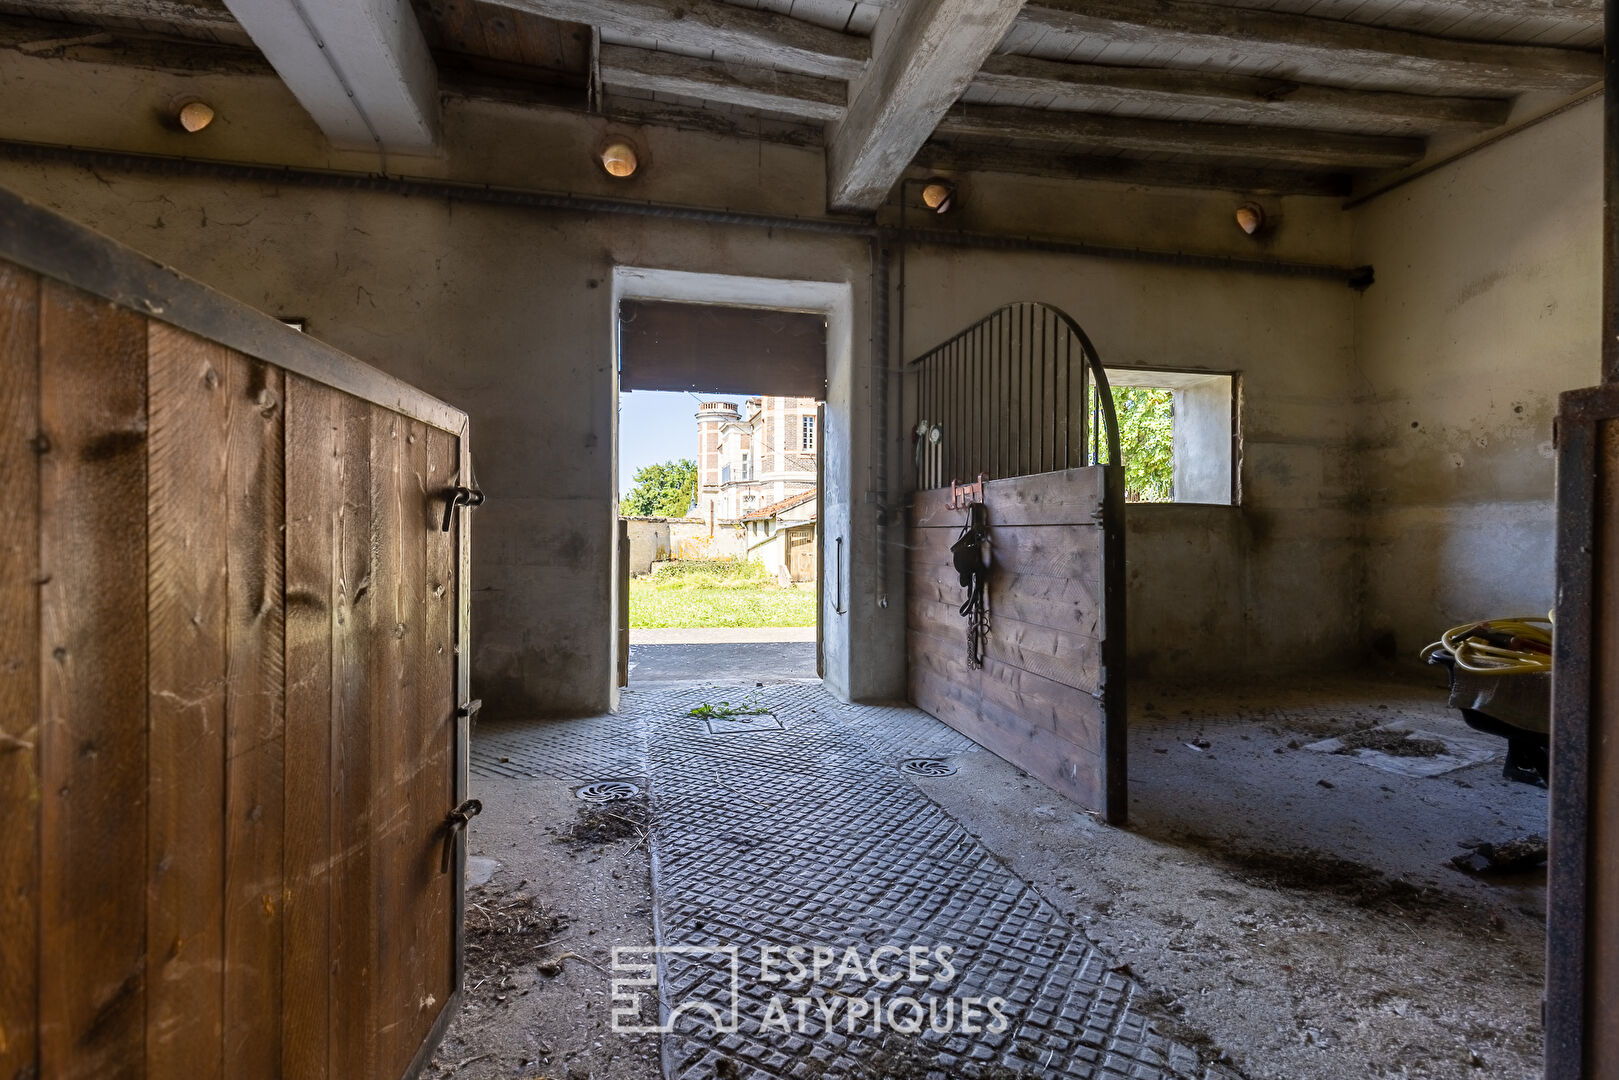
(360, 68)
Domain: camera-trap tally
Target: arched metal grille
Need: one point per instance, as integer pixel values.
(1021, 391)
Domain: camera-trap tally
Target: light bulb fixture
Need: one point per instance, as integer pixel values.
(195, 115)
(938, 194)
(1250, 218)
(619, 159)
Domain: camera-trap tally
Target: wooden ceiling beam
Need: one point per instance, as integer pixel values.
(1322, 50)
(1079, 132)
(1588, 12)
(766, 37)
(952, 158)
(1075, 88)
(195, 19)
(734, 84)
(928, 54)
(1096, 88)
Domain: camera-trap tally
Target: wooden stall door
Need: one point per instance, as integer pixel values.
(1044, 699)
(371, 731)
(229, 734)
(801, 554)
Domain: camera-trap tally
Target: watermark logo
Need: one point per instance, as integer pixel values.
(635, 973)
(804, 989)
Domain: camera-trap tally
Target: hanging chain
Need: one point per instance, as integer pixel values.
(977, 631)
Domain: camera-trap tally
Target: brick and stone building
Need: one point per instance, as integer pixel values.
(754, 456)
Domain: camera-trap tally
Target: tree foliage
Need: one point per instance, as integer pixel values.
(666, 489)
(1146, 441)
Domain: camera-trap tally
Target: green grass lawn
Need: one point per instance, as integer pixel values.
(719, 593)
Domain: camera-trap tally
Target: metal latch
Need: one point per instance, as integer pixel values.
(455, 823)
(460, 496)
(470, 709)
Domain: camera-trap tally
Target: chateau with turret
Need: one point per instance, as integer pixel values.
(755, 456)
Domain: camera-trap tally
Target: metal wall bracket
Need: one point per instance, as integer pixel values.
(965, 495)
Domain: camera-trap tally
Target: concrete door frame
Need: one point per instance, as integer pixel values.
(835, 300)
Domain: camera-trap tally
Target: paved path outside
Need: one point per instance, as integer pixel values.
(755, 661)
(720, 635)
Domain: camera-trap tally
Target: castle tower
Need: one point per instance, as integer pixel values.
(711, 415)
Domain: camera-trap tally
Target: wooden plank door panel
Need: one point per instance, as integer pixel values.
(1049, 696)
(314, 489)
(188, 492)
(254, 780)
(20, 792)
(233, 646)
(93, 605)
(353, 1013)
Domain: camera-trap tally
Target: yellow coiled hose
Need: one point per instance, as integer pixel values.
(1520, 645)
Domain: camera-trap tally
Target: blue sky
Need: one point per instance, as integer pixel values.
(655, 426)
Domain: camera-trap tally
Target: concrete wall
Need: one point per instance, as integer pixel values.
(1212, 589)
(1486, 306)
(1203, 443)
(649, 543)
(507, 312)
(692, 540)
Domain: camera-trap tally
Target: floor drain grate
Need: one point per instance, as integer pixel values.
(928, 766)
(607, 791)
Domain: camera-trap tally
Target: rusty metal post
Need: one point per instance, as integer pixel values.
(1582, 938)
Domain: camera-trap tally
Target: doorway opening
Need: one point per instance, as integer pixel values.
(721, 421)
(718, 511)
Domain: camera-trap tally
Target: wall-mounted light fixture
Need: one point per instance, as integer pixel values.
(1250, 218)
(619, 158)
(194, 115)
(938, 194)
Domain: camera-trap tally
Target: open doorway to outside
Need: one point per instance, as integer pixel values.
(719, 434)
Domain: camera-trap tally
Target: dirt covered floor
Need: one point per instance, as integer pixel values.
(566, 881)
(1286, 892)
(1299, 912)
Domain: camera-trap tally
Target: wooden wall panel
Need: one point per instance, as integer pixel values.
(436, 773)
(93, 718)
(429, 727)
(352, 1039)
(314, 489)
(392, 661)
(188, 487)
(19, 673)
(1040, 699)
(254, 712)
(1070, 497)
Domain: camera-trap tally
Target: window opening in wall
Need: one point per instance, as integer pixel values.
(1176, 434)
(809, 434)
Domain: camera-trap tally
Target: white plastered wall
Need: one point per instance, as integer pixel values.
(1486, 306)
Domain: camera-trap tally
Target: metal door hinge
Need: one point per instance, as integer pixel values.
(460, 496)
(455, 823)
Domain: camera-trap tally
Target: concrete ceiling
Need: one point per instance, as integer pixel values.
(1265, 95)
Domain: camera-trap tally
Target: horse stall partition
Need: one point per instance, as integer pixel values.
(233, 642)
(1023, 393)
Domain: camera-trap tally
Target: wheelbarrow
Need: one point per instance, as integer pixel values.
(1503, 686)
